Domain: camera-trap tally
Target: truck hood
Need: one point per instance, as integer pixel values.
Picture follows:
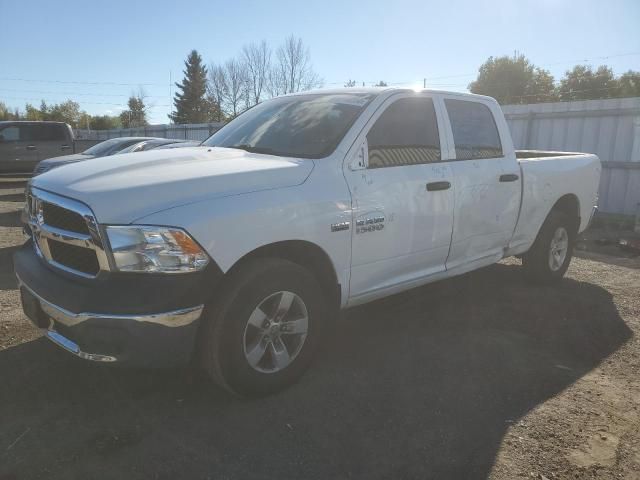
(123, 188)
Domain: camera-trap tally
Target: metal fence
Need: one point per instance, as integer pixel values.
(609, 128)
(194, 131)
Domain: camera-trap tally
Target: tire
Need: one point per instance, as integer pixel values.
(540, 264)
(239, 350)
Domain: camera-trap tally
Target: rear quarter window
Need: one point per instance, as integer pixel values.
(475, 133)
(10, 134)
(54, 132)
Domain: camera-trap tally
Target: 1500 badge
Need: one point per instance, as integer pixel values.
(370, 222)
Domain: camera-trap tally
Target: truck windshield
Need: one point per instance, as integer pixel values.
(306, 126)
(109, 147)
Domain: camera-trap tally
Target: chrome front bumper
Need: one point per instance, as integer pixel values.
(56, 314)
(72, 347)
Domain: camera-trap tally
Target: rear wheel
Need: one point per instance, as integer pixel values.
(262, 334)
(550, 255)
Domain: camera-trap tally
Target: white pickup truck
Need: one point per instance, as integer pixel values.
(238, 252)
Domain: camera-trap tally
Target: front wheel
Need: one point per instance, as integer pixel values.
(549, 257)
(263, 333)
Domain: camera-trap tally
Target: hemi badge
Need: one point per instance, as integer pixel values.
(337, 227)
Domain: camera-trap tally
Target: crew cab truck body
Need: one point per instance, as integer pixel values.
(236, 253)
(24, 143)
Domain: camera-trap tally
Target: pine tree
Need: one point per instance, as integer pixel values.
(191, 102)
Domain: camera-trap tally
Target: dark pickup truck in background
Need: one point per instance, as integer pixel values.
(23, 144)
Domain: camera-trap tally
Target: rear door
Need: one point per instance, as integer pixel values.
(17, 153)
(402, 199)
(487, 198)
(52, 140)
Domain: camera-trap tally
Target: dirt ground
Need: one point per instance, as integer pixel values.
(481, 376)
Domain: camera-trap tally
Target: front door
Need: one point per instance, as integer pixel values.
(17, 155)
(402, 199)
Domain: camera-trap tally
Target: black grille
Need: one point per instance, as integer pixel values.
(65, 219)
(78, 258)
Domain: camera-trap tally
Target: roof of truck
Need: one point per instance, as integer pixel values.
(384, 90)
(2, 122)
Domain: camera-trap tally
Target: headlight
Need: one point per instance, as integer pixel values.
(155, 249)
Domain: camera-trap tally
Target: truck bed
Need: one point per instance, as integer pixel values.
(546, 176)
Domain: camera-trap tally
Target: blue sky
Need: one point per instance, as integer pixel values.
(101, 44)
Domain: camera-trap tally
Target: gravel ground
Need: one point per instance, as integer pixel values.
(474, 377)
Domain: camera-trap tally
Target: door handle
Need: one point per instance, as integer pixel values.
(509, 177)
(434, 186)
(65, 147)
(31, 147)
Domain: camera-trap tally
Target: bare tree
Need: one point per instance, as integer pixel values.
(257, 62)
(236, 76)
(217, 88)
(292, 71)
(245, 80)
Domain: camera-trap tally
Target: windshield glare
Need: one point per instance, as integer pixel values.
(307, 126)
(107, 147)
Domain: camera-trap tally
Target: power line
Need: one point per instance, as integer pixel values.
(64, 82)
(33, 99)
(78, 82)
(584, 60)
(419, 81)
(78, 94)
(397, 83)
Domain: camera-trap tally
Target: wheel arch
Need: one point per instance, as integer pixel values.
(304, 253)
(569, 204)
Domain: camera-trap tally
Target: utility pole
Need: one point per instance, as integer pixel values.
(424, 83)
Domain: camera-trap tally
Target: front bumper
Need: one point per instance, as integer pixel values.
(137, 320)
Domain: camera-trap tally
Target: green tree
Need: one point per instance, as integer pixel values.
(541, 88)
(582, 83)
(381, 83)
(44, 110)
(104, 122)
(5, 113)
(68, 112)
(32, 113)
(136, 115)
(629, 84)
(191, 102)
(513, 80)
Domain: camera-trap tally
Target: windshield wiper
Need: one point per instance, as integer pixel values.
(252, 149)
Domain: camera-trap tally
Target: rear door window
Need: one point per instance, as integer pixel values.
(30, 133)
(53, 132)
(405, 134)
(475, 133)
